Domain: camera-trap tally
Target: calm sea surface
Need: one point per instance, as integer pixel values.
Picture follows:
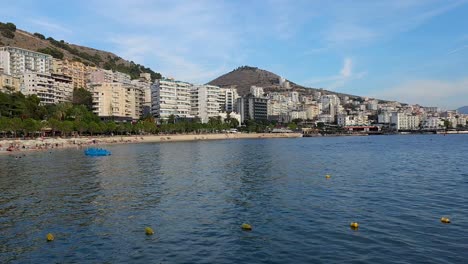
(196, 195)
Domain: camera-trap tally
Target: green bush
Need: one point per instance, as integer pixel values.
(39, 35)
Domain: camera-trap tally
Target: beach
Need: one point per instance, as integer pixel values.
(10, 146)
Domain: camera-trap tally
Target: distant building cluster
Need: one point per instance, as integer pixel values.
(116, 96)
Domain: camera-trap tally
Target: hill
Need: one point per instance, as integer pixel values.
(59, 49)
(463, 110)
(244, 77)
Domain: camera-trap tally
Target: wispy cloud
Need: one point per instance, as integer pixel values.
(445, 94)
(345, 75)
(458, 49)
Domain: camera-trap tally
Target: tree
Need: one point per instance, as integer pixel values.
(30, 125)
(93, 128)
(171, 119)
(84, 97)
(39, 35)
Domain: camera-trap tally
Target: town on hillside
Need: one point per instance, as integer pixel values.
(117, 97)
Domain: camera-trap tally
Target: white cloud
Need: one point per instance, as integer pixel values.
(341, 79)
(346, 71)
(445, 94)
(458, 49)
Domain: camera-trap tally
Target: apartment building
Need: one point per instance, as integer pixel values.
(78, 71)
(49, 88)
(116, 101)
(403, 121)
(228, 99)
(204, 101)
(16, 61)
(252, 108)
(170, 97)
(8, 83)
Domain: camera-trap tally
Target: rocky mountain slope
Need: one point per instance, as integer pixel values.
(244, 77)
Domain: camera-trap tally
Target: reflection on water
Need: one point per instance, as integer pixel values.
(196, 195)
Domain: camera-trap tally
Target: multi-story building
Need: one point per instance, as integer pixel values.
(432, 123)
(78, 71)
(330, 105)
(384, 118)
(170, 97)
(121, 77)
(101, 76)
(256, 91)
(403, 121)
(8, 83)
(252, 108)
(204, 101)
(16, 61)
(49, 88)
(227, 99)
(117, 101)
(352, 120)
(145, 88)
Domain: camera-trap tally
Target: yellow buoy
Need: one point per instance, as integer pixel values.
(354, 225)
(328, 176)
(50, 237)
(149, 231)
(445, 220)
(246, 227)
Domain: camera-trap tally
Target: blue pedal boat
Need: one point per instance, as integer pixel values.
(97, 152)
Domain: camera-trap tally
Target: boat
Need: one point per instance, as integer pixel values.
(97, 152)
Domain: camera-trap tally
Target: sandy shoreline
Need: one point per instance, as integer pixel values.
(47, 144)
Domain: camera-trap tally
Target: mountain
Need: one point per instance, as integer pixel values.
(463, 110)
(59, 49)
(244, 77)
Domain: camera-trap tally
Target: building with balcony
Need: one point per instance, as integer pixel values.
(228, 99)
(204, 101)
(16, 61)
(8, 83)
(49, 88)
(252, 108)
(78, 71)
(116, 101)
(170, 97)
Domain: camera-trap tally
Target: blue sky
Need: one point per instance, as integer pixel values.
(413, 51)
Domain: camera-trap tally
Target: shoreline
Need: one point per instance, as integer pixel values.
(48, 144)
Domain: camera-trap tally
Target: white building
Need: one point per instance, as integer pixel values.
(432, 123)
(352, 120)
(17, 61)
(204, 101)
(227, 99)
(298, 115)
(49, 88)
(294, 97)
(257, 91)
(330, 105)
(403, 121)
(384, 118)
(170, 97)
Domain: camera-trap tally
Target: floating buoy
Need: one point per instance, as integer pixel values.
(445, 220)
(328, 176)
(149, 231)
(354, 225)
(246, 227)
(50, 237)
